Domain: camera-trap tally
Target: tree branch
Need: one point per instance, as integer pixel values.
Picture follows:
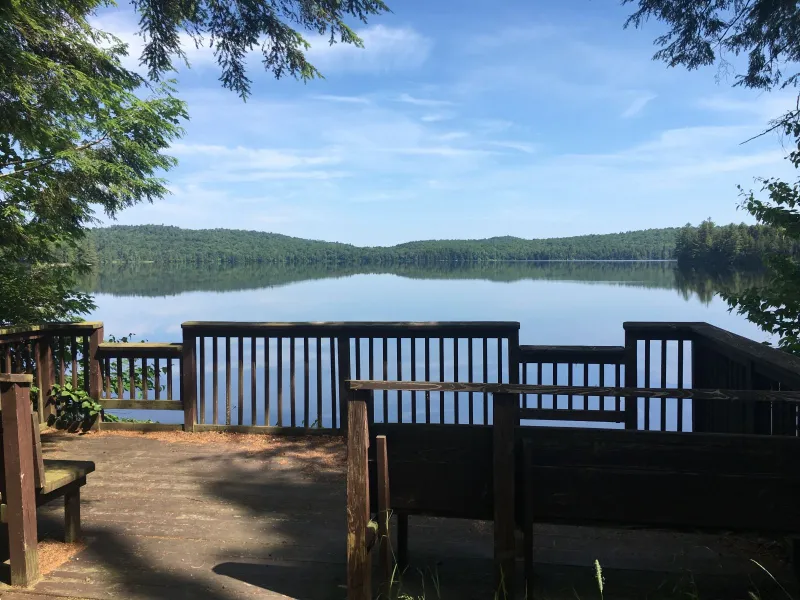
(44, 161)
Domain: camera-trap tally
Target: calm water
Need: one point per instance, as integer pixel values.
(556, 303)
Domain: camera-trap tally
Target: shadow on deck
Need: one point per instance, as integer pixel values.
(261, 517)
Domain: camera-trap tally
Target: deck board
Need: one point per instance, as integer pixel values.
(169, 520)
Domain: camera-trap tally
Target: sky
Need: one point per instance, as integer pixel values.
(465, 120)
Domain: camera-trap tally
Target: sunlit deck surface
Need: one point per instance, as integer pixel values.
(222, 516)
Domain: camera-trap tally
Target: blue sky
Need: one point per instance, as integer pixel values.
(466, 120)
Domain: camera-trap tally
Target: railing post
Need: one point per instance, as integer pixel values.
(513, 357)
(189, 380)
(95, 373)
(20, 500)
(359, 584)
(343, 366)
(506, 419)
(45, 377)
(631, 379)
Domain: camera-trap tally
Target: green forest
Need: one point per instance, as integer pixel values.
(706, 245)
(714, 248)
(163, 244)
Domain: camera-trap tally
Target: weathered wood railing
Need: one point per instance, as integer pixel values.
(54, 353)
(699, 355)
(659, 479)
(597, 366)
(147, 374)
(291, 375)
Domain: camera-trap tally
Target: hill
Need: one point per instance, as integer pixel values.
(166, 244)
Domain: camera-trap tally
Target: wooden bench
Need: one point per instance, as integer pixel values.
(27, 480)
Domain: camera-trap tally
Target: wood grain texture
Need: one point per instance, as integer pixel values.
(359, 585)
(505, 422)
(384, 511)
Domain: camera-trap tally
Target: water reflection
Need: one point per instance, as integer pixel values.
(152, 280)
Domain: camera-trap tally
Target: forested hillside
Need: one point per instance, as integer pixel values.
(714, 247)
(164, 244)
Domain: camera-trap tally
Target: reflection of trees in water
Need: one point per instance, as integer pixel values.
(166, 280)
(706, 285)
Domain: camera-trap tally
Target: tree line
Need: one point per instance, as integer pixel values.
(164, 244)
(720, 247)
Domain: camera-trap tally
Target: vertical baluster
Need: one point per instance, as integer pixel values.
(319, 381)
(455, 378)
(663, 401)
(385, 394)
(538, 382)
(87, 356)
(74, 348)
(441, 378)
(499, 360)
(427, 378)
(399, 357)
(571, 399)
(292, 382)
(485, 399)
(267, 416)
(214, 379)
(279, 349)
(157, 380)
(132, 377)
(227, 380)
(202, 367)
(108, 376)
(555, 382)
(253, 386)
(358, 358)
(332, 353)
(144, 378)
(470, 379)
(524, 382)
(120, 384)
(306, 403)
(62, 359)
(371, 369)
(647, 384)
(680, 385)
(240, 380)
(618, 383)
(413, 378)
(602, 383)
(586, 397)
(7, 359)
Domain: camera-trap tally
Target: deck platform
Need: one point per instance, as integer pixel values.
(174, 516)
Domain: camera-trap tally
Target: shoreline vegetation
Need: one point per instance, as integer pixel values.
(705, 247)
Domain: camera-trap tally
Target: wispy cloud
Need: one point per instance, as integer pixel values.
(637, 106)
(409, 99)
(345, 99)
(385, 49)
(436, 117)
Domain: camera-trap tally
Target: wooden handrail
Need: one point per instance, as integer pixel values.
(507, 388)
(392, 329)
(608, 355)
(139, 350)
(20, 332)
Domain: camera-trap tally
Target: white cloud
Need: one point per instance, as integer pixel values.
(385, 49)
(344, 99)
(519, 146)
(635, 108)
(435, 117)
(409, 99)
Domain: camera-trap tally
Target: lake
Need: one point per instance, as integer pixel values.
(558, 303)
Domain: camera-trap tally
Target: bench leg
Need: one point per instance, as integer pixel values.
(72, 516)
(402, 541)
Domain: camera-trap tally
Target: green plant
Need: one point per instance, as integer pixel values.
(74, 408)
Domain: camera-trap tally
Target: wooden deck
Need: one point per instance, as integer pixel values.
(260, 517)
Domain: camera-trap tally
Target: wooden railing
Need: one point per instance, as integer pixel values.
(292, 375)
(699, 355)
(53, 353)
(140, 376)
(587, 366)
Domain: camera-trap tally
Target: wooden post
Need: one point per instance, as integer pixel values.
(15, 401)
(343, 366)
(384, 506)
(189, 381)
(527, 521)
(359, 585)
(631, 380)
(95, 372)
(45, 376)
(506, 419)
(72, 516)
(513, 357)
